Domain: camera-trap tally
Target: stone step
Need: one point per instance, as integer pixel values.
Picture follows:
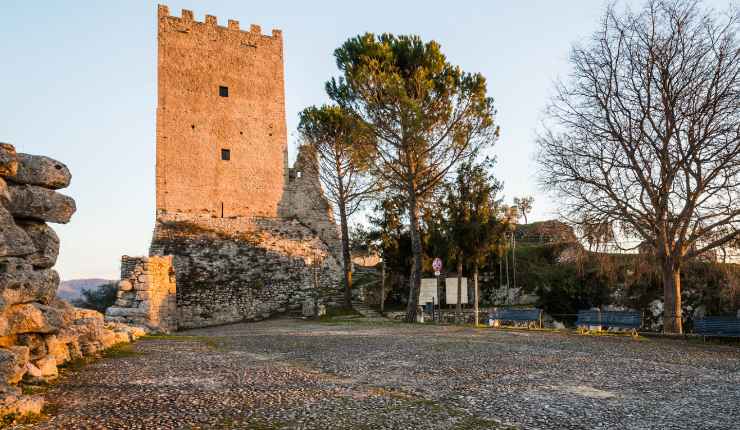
(366, 311)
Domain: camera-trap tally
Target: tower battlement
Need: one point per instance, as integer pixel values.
(187, 18)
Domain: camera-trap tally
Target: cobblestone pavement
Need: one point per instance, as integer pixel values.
(298, 375)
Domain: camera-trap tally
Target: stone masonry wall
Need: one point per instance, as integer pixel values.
(231, 270)
(38, 331)
(195, 122)
(304, 200)
(146, 294)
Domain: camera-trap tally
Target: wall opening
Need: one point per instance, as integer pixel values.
(223, 91)
(226, 154)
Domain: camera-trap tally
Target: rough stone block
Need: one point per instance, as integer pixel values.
(125, 312)
(13, 240)
(4, 193)
(13, 364)
(31, 318)
(35, 343)
(26, 286)
(18, 405)
(8, 160)
(34, 202)
(46, 241)
(42, 171)
(125, 285)
(48, 367)
(57, 349)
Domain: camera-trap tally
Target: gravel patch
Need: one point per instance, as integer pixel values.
(290, 374)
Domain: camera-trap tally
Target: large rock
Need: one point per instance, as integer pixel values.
(37, 203)
(4, 193)
(42, 171)
(17, 405)
(56, 347)
(14, 241)
(19, 284)
(31, 318)
(8, 160)
(13, 362)
(41, 371)
(35, 343)
(46, 242)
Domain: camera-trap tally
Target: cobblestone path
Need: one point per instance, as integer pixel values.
(298, 375)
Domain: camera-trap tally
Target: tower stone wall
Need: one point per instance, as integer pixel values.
(221, 131)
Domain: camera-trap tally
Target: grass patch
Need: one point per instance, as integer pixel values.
(32, 390)
(336, 311)
(76, 365)
(121, 350)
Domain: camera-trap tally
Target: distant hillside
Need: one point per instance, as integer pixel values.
(72, 289)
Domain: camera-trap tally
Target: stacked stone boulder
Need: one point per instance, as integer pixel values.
(38, 332)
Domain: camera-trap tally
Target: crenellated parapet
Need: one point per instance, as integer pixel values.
(187, 21)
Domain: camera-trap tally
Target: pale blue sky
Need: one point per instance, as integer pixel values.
(78, 83)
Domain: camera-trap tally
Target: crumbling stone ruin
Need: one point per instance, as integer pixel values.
(38, 331)
(146, 294)
(248, 237)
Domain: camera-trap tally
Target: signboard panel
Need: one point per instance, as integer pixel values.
(451, 291)
(428, 291)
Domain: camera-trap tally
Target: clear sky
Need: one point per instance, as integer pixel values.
(78, 83)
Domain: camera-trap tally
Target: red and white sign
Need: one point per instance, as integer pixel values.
(437, 266)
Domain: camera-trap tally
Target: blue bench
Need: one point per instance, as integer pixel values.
(618, 319)
(718, 326)
(533, 315)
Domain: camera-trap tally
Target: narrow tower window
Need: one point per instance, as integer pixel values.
(223, 91)
(226, 154)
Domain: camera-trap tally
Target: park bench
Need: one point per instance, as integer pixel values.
(533, 315)
(612, 319)
(717, 326)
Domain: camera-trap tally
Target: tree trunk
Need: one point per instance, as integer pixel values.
(513, 259)
(382, 287)
(672, 318)
(476, 293)
(346, 258)
(458, 305)
(415, 281)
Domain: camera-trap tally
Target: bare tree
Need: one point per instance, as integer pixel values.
(645, 135)
(524, 206)
(337, 140)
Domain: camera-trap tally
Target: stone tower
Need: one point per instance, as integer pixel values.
(221, 130)
(238, 235)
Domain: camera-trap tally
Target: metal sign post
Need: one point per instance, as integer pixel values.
(437, 266)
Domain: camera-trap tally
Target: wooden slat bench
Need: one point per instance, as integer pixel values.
(717, 327)
(532, 315)
(617, 319)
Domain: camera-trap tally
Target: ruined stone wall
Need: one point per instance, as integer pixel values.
(231, 270)
(195, 123)
(146, 294)
(304, 200)
(38, 331)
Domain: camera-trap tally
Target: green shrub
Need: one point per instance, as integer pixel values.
(99, 298)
